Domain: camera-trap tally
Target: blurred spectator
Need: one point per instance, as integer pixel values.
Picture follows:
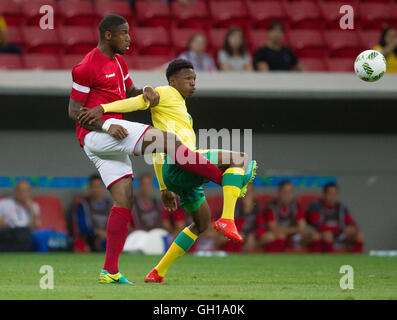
(234, 55)
(285, 222)
(19, 218)
(246, 212)
(334, 222)
(174, 222)
(388, 47)
(92, 215)
(146, 212)
(274, 55)
(196, 53)
(5, 45)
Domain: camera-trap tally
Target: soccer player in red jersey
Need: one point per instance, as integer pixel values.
(102, 77)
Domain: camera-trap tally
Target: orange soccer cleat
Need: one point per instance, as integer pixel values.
(228, 228)
(153, 276)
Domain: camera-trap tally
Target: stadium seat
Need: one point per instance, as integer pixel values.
(146, 62)
(68, 61)
(331, 15)
(152, 41)
(216, 38)
(41, 41)
(77, 13)
(344, 44)
(14, 35)
(264, 200)
(78, 40)
(195, 15)
(180, 38)
(37, 61)
(307, 43)
(10, 61)
(314, 64)
(263, 13)
(375, 15)
(31, 12)
(304, 15)
(51, 213)
(369, 38)
(226, 14)
(305, 200)
(12, 13)
(340, 65)
(153, 14)
(215, 203)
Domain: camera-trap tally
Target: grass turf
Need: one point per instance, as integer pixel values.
(234, 277)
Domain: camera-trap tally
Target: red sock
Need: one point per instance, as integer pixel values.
(316, 246)
(196, 163)
(328, 247)
(358, 247)
(117, 231)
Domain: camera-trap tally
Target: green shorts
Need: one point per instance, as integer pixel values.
(187, 185)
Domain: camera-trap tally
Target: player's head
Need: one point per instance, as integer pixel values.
(330, 193)
(180, 75)
(95, 187)
(275, 32)
(114, 31)
(22, 191)
(285, 192)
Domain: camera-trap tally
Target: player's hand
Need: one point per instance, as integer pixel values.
(89, 116)
(117, 131)
(169, 200)
(151, 96)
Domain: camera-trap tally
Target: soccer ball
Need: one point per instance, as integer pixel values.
(370, 65)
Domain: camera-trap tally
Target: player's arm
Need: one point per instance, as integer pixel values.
(115, 130)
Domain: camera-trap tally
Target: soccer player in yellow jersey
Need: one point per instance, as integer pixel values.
(171, 115)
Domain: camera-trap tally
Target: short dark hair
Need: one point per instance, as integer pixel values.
(283, 183)
(276, 24)
(177, 65)
(110, 22)
(330, 185)
(94, 177)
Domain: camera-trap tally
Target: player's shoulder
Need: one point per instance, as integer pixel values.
(87, 64)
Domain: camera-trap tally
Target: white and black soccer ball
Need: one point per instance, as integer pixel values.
(370, 65)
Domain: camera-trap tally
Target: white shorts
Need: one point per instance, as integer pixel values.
(111, 156)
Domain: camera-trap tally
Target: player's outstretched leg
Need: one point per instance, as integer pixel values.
(182, 243)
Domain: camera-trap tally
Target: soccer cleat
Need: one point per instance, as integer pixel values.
(249, 175)
(228, 228)
(153, 276)
(106, 277)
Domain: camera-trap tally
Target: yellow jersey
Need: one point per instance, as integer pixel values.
(391, 60)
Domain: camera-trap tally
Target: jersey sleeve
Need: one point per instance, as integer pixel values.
(82, 82)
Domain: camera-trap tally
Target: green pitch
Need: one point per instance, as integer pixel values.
(233, 277)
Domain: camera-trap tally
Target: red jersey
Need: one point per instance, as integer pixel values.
(99, 79)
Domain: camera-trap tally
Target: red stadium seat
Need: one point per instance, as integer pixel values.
(194, 15)
(77, 13)
(11, 11)
(264, 200)
(305, 200)
(37, 61)
(10, 61)
(152, 41)
(340, 65)
(51, 213)
(263, 13)
(307, 43)
(304, 15)
(122, 8)
(147, 62)
(14, 35)
(375, 15)
(78, 40)
(344, 44)
(68, 61)
(31, 11)
(153, 14)
(226, 14)
(217, 38)
(369, 38)
(41, 41)
(331, 15)
(258, 38)
(314, 64)
(180, 38)
(215, 203)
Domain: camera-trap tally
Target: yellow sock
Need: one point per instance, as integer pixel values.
(178, 248)
(232, 182)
